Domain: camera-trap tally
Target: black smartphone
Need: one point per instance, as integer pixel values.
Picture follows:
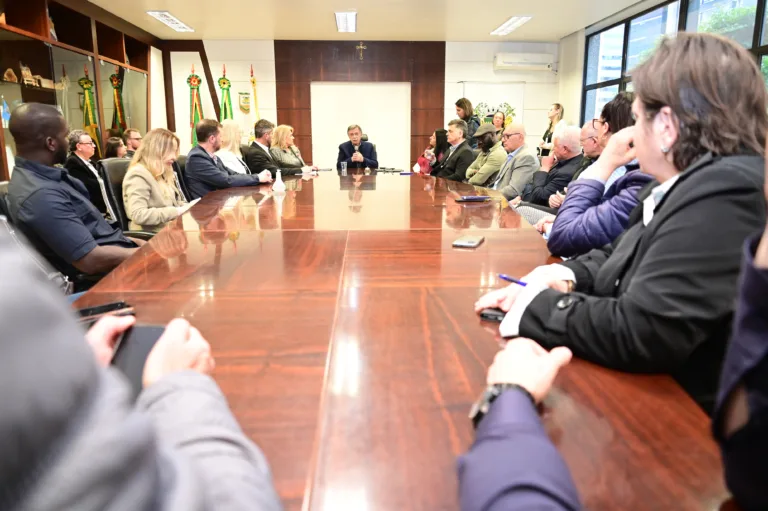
(493, 315)
(473, 198)
(107, 308)
(132, 351)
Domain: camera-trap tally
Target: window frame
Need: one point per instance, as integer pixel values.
(756, 49)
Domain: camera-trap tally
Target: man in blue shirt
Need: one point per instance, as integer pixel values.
(52, 208)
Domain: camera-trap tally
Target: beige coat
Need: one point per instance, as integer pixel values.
(149, 203)
(487, 166)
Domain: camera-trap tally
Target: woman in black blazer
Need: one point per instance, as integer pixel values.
(660, 299)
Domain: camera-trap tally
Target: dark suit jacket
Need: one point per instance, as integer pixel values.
(454, 166)
(547, 183)
(346, 150)
(259, 160)
(79, 170)
(660, 299)
(203, 175)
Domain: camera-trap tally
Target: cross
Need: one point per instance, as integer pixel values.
(360, 47)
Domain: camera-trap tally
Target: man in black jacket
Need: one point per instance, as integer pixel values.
(460, 156)
(554, 177)
(259, 158)
(82, 148)
(205, 172)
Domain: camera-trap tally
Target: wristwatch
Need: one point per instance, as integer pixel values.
(483, 405)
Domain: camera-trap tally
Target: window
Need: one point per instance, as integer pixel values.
(764, 68)
(604, 55)
(731, 18)
(596, 100)
(646, 30)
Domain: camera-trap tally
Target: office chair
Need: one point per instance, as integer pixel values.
(113, 172)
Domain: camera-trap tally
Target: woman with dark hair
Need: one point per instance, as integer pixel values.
(434, 154)
(660, 298)
(597, 207)
(467, 114)
(499, 121)
(555, 115)
(115, 148)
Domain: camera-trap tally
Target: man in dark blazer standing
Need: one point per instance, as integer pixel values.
(205, 172)
(460, 156)
(356, 153)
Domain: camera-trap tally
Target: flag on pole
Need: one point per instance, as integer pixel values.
(118, 117)
(90, 124)
(226, 98)
(195, 108)
(255, 97)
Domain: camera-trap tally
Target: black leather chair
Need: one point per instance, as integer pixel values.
(113, 172)
(5, 209)
(178, 168)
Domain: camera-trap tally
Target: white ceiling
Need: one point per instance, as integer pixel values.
(382, 20)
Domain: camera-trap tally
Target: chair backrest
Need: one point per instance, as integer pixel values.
(113, 172)
(5, 208)
(179, 168)
(364, 138)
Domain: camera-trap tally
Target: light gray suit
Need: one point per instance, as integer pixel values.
(70, 438)
(516, 173)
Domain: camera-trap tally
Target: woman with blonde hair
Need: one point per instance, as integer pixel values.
(555, 116)
(150, 193)
(284, 152)
(230, 154)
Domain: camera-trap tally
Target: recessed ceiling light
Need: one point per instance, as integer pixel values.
(511, 24)
(346, 21)
(172, 21)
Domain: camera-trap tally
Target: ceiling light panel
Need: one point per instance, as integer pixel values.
(170, 20)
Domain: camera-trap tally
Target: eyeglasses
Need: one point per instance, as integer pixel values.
(510, 135)
(595, 122)
(582, 140)
(139, 139)
(92, 143)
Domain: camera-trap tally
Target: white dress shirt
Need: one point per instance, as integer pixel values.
(103, 188)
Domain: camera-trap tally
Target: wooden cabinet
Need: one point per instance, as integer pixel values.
(36, 33)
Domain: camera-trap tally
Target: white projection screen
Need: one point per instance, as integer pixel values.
(382, 109)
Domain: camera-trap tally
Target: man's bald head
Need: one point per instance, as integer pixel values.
(513, 137)
(40, 133)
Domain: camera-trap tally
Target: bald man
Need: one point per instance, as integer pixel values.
(521, 163)
(52, 208)
(590, 146)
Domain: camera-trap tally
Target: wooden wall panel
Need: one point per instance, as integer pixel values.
(298, 63)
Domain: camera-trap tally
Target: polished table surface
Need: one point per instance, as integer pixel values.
(345, 340)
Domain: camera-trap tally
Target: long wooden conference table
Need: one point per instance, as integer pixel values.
(345, 339)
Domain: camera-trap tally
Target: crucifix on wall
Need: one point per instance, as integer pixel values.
(360, 47)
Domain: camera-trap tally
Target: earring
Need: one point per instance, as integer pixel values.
(664, 149)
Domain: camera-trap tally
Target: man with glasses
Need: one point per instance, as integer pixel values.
(521, 163)
(590, 145)
(82, 148)
(132, 139)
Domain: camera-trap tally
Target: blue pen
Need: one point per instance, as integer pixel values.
(512, 279)
(406, 173)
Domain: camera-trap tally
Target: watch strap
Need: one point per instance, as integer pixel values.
(483, 405)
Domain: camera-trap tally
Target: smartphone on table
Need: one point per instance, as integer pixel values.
(473, 198)
(469, 242)
(91, 314)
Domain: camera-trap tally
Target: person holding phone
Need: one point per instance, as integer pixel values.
(70, 435)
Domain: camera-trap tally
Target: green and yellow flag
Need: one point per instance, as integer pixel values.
(90, 124)
(255, 97)
(118, 118)
(196, 109)
(226, 98)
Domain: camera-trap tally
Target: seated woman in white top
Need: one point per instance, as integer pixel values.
(284, 152)
(150, 193)
(230, 154)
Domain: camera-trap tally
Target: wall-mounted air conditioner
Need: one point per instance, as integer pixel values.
(524, 62)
